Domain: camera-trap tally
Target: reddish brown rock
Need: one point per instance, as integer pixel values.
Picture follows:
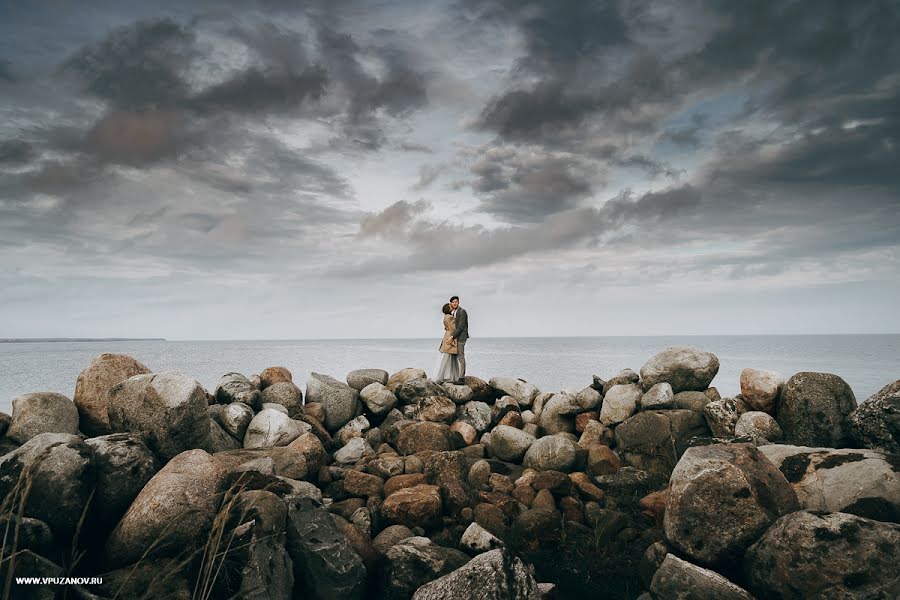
(571, 509)
(524, 494)
(602, 460)
(555, 481)
(512, 419)
(398, 482)
(417, 506)
(93, 384)
(359, 541)
(653, 506)
(311, 447)
(507, 504)
(418, 437)
(587, 489)
(314, 410)
(581, 419)
(274, 375)
(357, 483)
(492, 518)
(544, 500)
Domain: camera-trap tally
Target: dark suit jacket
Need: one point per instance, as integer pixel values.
(462, 325)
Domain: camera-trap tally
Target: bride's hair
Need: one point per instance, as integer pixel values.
(446, 309)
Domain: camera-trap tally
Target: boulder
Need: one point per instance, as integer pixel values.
(325, 565)
(360, 378)
(619, 403)
(339, 400)
(760, 389)
(813, 409)
(721, 499)
(861, 482)
(257, 555)
(678, 579)
(219, 439)
(287, 395)
(33, 534)
(124, 464)
(424, 435)
(624, 377)
(169, 409)
(356, 427)
(234, 387)
(808, 555)
(93, 384)
(353, 451)
(510, 444)
(416, 506)
(695, 401)
(536, 530)
(413, 563)
(172, 512)
(143, 580)
(311, 448)
(655, 440)
(274, 375)
(659, 396)
(289, 462)
(235, 418)
(876, 423)
(5, 422)
(476, 539)
(273, 428)
(378, 399)
(42, 412)
(391, 535)
(482, 392)
(477, 414)
(364, 485)
(448, 471)
(521, 390)
(557, 414)
(494, 575)
(760, 426)
(460, 394)
(61, 473)
(551, 453)
(722, 416)
(683, 367)
(404, 375)
(412, 391)
(437, 409)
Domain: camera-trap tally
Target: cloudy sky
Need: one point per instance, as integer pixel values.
(246, 170)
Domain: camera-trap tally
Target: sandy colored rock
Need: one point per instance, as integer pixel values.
(760, 389)
(93, 384)
(417, 506)
(42, 412)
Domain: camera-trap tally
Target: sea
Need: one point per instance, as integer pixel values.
(865, 362)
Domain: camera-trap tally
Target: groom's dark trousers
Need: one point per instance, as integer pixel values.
(461, 357)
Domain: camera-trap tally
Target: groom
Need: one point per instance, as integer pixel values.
(461, 335)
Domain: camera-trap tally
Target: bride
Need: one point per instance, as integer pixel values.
(448, 367)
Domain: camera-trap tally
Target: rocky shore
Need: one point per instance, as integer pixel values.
(645, 485)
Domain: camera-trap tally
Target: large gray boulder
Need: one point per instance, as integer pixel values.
(830, 556)
(654, 440)
(510, 444)
(619, 403)
(325, 564)
(404, 375)
(494, 575)
(168, 408)
(219, 439)
(659, 396)
(378, 399)
(551, 453)
(287, 395)
(289, 461)
(876, 423)
(683, 367)
(414, 390)
(414, 562)
(173, 511)
(235, 418)
(273, 428)
(340, 401)
(234, 387)
(861, 482)
(721, 499)
(60, 469)
(722, 415)
(42, 412)
(475, 413)
(124, 464)
(760, 389)
(813, 409)
(557, 415)
(521, 390)
(361, 378)
(760, 426)
(678, 579)
(92, 387)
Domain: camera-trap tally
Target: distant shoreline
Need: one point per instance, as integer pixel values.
(36, 340)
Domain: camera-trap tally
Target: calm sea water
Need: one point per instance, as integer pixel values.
(866, 362)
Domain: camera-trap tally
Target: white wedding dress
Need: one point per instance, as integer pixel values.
(447, 368)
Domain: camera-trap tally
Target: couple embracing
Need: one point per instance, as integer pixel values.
(452, 366)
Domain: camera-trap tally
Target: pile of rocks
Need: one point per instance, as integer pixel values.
(394, 486)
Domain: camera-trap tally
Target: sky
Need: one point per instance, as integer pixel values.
(264, 169)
